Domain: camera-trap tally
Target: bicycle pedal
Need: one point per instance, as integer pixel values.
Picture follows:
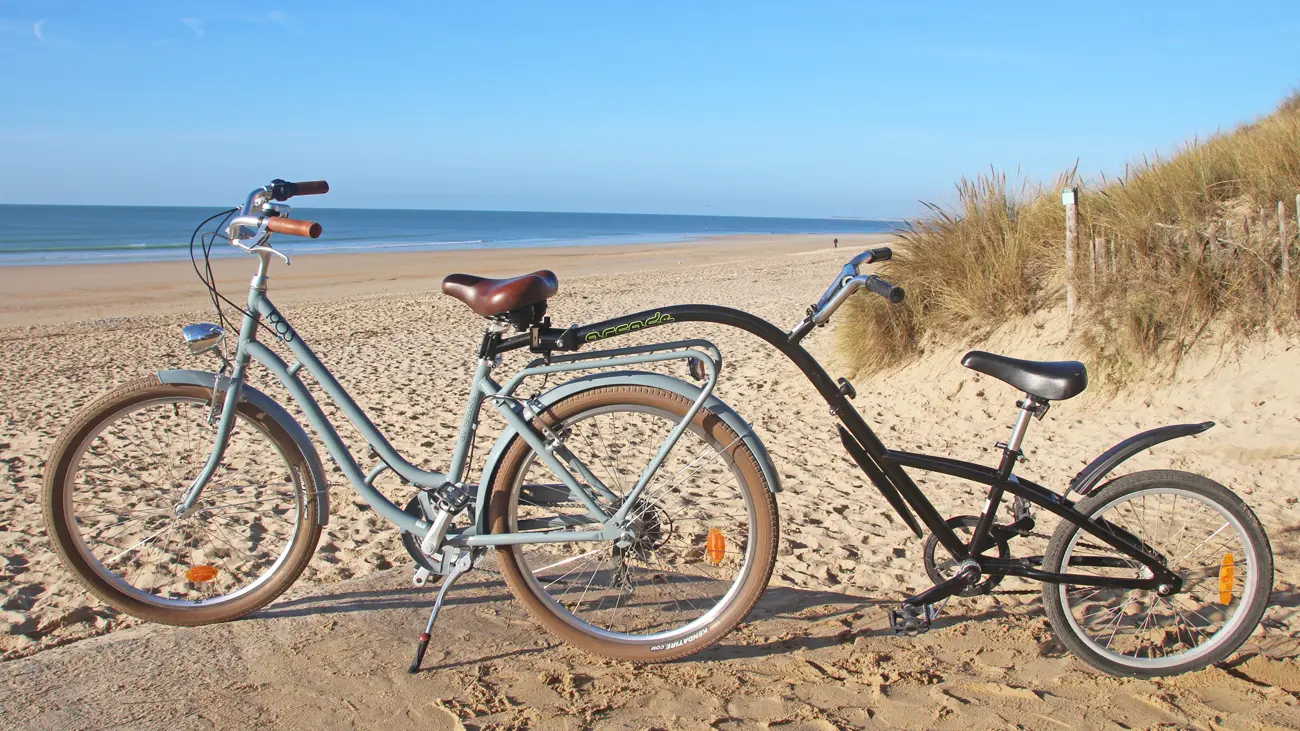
(910, 619)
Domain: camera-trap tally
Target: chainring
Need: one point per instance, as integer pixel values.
(412, 543)
(932, 545)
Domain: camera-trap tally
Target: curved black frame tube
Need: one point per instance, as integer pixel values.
(887, 463)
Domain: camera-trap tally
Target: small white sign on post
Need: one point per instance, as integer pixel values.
(1070, 198)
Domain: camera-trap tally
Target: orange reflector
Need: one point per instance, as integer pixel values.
(1227, 572)
(200, 574)
(716, 547)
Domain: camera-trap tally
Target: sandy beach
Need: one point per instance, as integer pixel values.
(404, 351)
(32, 295)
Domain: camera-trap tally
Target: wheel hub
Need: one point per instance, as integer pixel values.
(649, 530)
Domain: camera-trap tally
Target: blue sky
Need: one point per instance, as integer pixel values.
(803, 109)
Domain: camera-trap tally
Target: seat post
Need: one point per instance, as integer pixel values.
(1030, 407)
(491, 336)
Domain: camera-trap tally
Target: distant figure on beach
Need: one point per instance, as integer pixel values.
(836, 242)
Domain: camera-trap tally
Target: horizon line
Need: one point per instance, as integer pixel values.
(472, 210)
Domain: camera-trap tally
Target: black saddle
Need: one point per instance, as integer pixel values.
(1052, 381)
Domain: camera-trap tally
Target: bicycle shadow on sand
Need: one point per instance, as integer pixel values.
(786, 619)
(807, 618)
(410, 597)
(813, 619)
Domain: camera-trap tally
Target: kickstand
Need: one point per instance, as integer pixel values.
(463, 565)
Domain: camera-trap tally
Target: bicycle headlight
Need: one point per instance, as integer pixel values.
(202, 337)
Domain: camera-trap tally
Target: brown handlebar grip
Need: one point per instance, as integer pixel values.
(312, 187)
(294, 227)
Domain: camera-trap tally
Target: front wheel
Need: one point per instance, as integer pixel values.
(116, 475)
(1205, 533)
(700, 541)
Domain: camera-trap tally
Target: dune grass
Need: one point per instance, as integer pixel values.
(1194, 238)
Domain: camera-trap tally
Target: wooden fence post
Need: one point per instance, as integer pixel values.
(1098, 253)
(1282, 241)
(1071, 200)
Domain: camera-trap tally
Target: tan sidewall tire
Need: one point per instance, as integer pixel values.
(766, 522)
(57, 522)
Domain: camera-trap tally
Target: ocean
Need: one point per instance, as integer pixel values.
(103, 234)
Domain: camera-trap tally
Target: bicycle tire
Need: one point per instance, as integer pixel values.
(764, 522)
(61, 524)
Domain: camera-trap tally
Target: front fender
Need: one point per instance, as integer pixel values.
(635, 378)
(1089, 476)
(276, 413)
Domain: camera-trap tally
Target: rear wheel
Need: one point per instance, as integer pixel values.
(1205, 533)
(117, 474)
(700, 543)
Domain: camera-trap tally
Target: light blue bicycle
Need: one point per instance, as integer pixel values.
(632, 512)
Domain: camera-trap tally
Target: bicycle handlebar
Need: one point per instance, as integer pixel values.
(848, 282)
(259, 217)
(294, 227)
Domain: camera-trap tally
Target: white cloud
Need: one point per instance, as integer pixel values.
(38, 29)
(194, 24)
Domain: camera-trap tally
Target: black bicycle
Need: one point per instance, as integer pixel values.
(1153, 573)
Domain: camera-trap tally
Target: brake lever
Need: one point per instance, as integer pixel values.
(267, 249)
(260, 237)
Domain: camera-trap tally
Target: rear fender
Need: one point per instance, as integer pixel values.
(1088, 477)
(634, 378)
(276, 413)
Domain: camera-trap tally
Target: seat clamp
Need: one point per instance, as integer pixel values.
(1037, 406)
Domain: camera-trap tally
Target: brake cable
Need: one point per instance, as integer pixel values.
(206, 240)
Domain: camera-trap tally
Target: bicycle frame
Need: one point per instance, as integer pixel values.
(483, 388)
(884, 467)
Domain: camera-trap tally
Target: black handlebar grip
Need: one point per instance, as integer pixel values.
(312, 187)
(283, 190)
(889, 291)
(884, 253)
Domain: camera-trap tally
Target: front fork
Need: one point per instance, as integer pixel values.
(226, 424)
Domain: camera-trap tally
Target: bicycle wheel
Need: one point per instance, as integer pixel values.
(700, 543)
(118, 472)
(1205, 533)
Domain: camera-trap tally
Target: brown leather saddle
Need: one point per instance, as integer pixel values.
(498, 297)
